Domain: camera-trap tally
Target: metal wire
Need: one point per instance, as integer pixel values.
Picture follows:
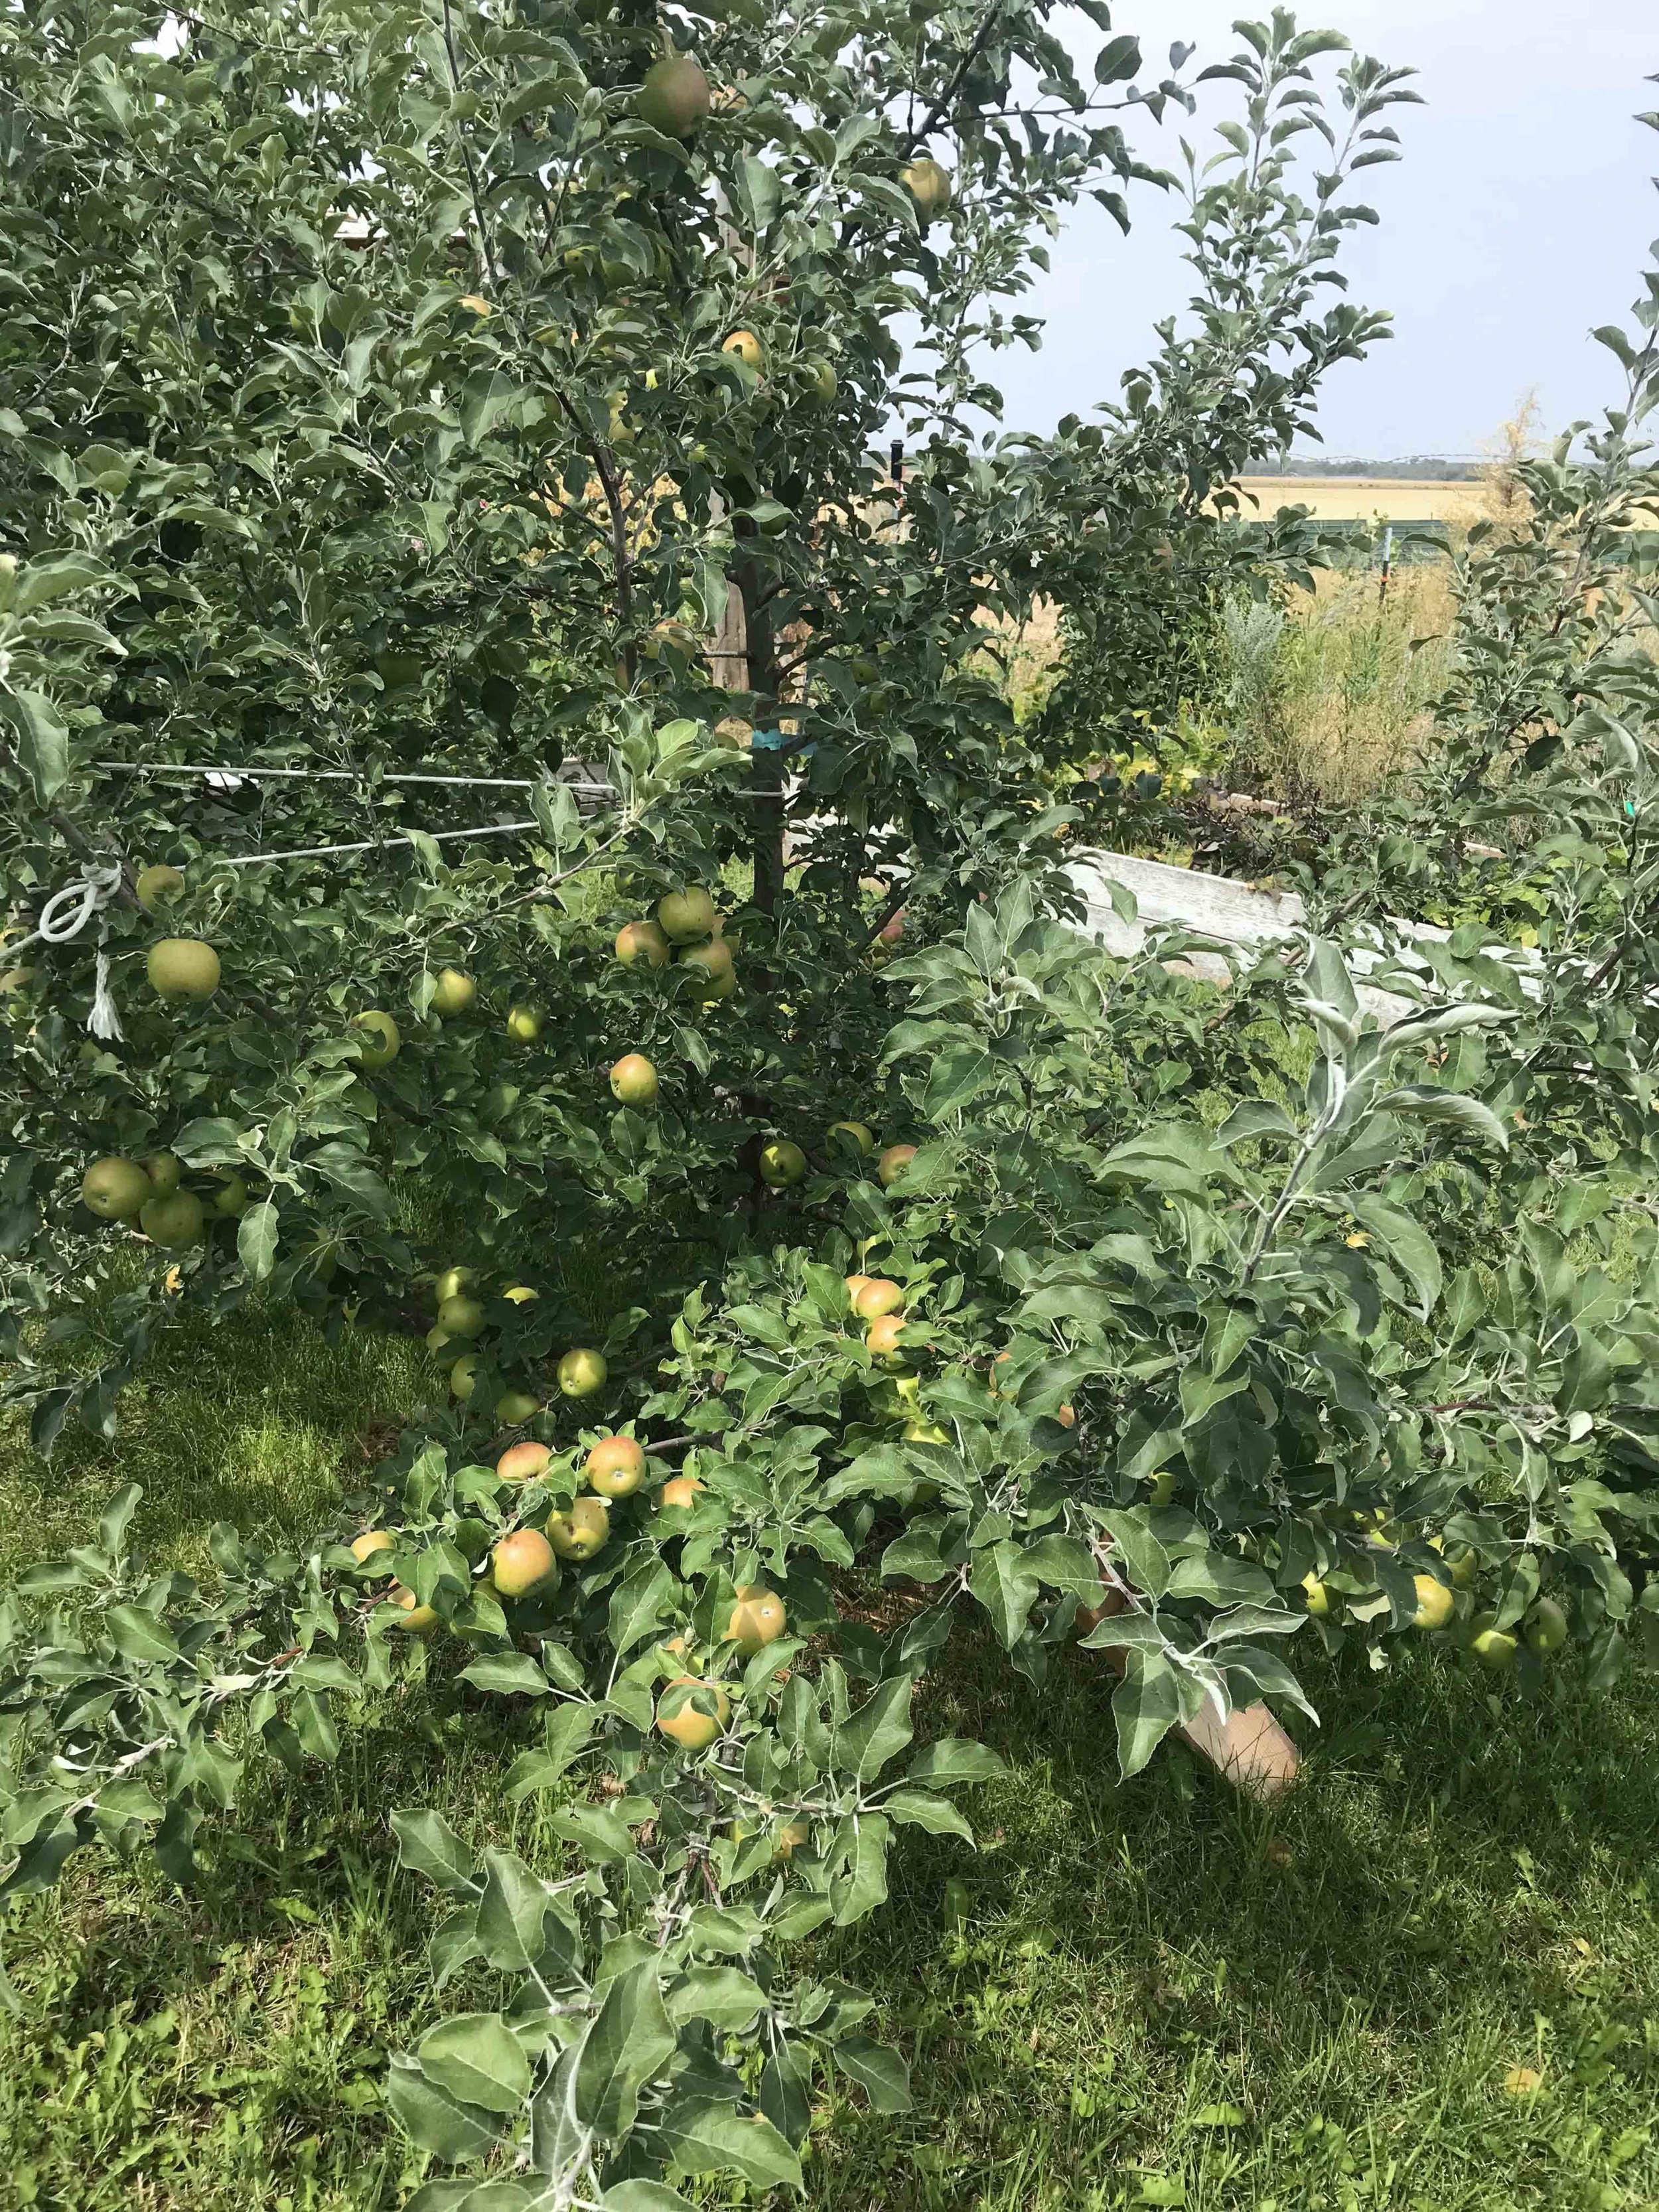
(371, 845)
(329, 775)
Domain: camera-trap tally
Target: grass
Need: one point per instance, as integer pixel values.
(1339, 696)
(1150, 1994)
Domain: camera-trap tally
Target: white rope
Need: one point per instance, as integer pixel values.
(103, 1021)
(63, 918)
(67, 912)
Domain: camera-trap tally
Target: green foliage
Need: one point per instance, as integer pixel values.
(371, 378)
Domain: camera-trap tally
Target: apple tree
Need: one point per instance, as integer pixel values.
(433, 434)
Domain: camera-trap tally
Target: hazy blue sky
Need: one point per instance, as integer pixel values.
(1519, 217)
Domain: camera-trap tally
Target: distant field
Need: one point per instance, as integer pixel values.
(1358, 499)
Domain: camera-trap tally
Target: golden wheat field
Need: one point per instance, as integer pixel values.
(1366, 499)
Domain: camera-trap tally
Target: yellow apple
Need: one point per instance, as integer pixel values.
(634, 1080)
(615, 1467)
(679, 1717)
(686, 915)
(453, 993)
(521, 1562)
(581, 1372)
(581, 1531)
(757, 1618)
(521, 1462)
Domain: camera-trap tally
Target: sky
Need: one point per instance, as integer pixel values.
(1519, 217)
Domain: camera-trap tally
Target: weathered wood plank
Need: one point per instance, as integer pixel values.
(1234, 914)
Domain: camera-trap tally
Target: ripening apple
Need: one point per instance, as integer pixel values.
(158, 885)
(453, 1282)
(462, 1317)
(1546, 1628)
(854, 1285)
(515, 1405)
(877, 1295)
(1494, 1647)
(747, 348)
(781, 1163)
(379, 1043)
(453, 993)
(372, 1540)
(463, 1377)
(757, 1618)
(522, 1562)
(174, 1222)
(581, 1530)
(418, 1620)
(928, 185)
(686, 915)
(1319, 1598)
(790, 1837)
(231, 1198)
(883, 1338)
(642, 940)
(520, 1294)
(114, 1189)
(891, 930)
(182, 968)
(436, 1337)
(524, 1024)
(681, 1491)
(1162, 1489)
(165, 1172)
(634, 1080)
(858, 1134)
(679, 1717)
(711, 966)
(522, 1462)
(581, 1372)
(675, 97)
(893, 1162)
(615, 1467)
(1435, 1603)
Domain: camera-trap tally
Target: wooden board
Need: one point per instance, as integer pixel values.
(1239, 917)
(1249, 1748)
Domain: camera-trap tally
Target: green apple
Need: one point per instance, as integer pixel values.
(781, 1163)
(581, 1372)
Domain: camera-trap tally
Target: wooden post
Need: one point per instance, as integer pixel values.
(766, 775)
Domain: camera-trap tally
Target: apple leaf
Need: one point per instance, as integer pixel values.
(628, 2041)
(478, 2059)
(435, 2119)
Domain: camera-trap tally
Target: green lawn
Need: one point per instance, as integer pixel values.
(1154, 1995)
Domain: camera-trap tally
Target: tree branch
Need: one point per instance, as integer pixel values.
(976, 47)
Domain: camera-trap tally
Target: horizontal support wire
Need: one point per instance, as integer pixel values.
(329, 775)
(371, 845)
(347, 775)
